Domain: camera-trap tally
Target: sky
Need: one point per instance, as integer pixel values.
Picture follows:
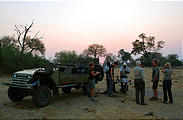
(115, 24)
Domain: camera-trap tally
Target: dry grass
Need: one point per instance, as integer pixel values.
(78, 106)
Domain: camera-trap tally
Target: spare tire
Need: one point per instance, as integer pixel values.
(101, 75)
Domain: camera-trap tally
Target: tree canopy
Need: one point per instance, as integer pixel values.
(95, 50)
(147, 47)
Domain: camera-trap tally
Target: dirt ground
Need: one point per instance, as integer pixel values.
(78, 106)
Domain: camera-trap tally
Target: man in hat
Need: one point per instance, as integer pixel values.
(91, 80)
(139, 83)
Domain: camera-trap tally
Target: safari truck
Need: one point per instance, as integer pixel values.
(41, 83)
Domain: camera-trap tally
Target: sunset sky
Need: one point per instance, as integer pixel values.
(115, 24)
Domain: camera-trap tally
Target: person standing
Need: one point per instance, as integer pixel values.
(91, 79)
(139, 83)
(111, 79)
(167, 83)
(155, 80)
(106, 70)
(124, 71)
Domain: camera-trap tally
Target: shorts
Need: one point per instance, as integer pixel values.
(92, 84)
(155, 85)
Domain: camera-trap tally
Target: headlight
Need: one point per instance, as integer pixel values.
(14, 76)
(28, 76)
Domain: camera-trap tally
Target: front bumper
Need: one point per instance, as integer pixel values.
(25, 86)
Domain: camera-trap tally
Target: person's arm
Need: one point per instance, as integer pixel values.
(156, 75)
(94, 74)
(163, 70)
(120, 74)
(127, 70)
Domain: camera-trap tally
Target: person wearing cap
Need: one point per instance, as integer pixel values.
(106, 70)
(124, 71)
(91, 80)
(111, 79)
(155, 79)
(167, 83)
(139, 83)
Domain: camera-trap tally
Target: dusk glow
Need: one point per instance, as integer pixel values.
(73, 25)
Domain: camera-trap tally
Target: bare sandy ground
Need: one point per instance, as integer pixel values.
(78, 106)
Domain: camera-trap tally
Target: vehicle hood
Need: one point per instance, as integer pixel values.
(29, 71)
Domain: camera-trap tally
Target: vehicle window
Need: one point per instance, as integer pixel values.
(68, 70)
(62, 69)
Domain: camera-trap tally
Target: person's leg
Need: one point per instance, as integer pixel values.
(170, 91)
(165, 92)
(107, 80)
(93, 91)
(114, 88)
(155, 91)
(110, 85)
(124, 88)
(136, 92)
(121, 87)
(142, 92)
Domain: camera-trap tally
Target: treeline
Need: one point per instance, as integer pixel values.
(24, 52)
(10, 60)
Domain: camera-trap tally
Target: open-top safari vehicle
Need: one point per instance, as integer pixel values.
(41, 83)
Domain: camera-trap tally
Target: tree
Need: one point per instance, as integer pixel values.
(65, 57)
(26, 43)
(146, 47)
(124, 56)
(7, 41)
(34, 45)
(109, 58)
(172, 56)
(173, 59)
(95, 50)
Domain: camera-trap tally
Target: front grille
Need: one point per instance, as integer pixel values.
(20, 79)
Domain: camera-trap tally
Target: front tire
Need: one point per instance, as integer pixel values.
(14, 94)
(41, 96)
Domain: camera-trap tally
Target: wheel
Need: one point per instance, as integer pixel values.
(86, 90)
(101, 75)
(41, 96)
(14, 94)
(66, 89)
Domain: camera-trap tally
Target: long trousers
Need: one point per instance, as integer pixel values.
(167, 84)
(139, 90)
(111, 85)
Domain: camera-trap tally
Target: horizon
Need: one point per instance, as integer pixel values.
(74, 25)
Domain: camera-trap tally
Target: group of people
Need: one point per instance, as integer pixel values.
(139, 81)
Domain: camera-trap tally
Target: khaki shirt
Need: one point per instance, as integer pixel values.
(139, 73)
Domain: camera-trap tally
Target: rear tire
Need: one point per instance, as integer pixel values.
(41, 96)
(85, 88)
(14, 94)
(67, 90)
